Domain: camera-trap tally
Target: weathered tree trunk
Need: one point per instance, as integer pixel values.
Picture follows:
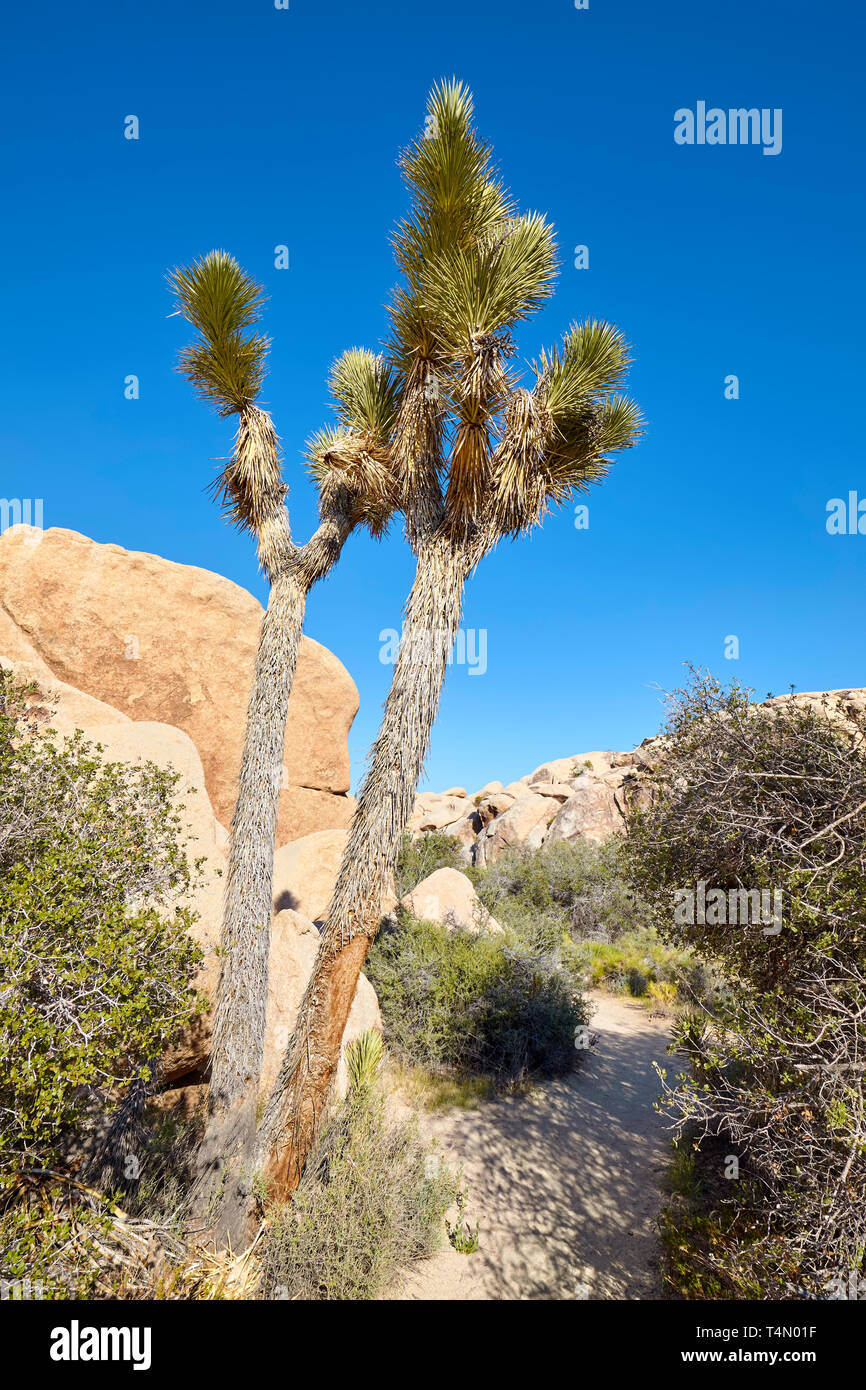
(237, 1045)
(226, 1154)
(432, 617)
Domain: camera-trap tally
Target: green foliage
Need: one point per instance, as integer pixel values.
(457, 202)
(708, 1225)
(773, 798)
(579, 884)
(461, 1234)
(422, 855)
(574, 901)
(226, 365)
(578, 385)
(364, 1059)
(365, 391)
(56, 1242)
(96, 960)
(370, 1203)
(474, 1005)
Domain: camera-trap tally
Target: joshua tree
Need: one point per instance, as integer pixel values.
(476, 458)
(226, 364)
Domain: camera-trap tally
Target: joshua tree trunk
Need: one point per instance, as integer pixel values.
(225, 1156)
(432, 618)
(237, 1045)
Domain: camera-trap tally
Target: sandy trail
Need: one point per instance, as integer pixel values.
(565, 1181)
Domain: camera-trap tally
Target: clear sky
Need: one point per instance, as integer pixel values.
(262, 127)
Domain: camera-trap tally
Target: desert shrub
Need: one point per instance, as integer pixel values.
(662, 997)
(96, 960)
(770, 798)
(370, 1203)
(575, 901)
(476, 1005)
(423, 855)
(580, 886)
(52, 1241)
(639, 959)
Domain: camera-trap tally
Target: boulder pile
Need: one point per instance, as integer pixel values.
(585, 797)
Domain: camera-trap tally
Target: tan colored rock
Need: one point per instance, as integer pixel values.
(180, 1102)
(65, 708)
(557, 790)
(159, 641)
(464, 831)
(487, 790)
(621, 759)
(448, 897)
(591, 813)
(846, 707)
(560, 770)
(459, 792)
(516, 789)
(511, 830)
(313, 810)
(495, 804)
(557, 770)
(646, 755)
(439, 817)
(305, 873)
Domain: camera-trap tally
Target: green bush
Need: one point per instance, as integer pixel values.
(422, 855)
(575, 901)
(96, 960)
(475, 1005)
(578, 886)
(370, 1203)
(751, 799)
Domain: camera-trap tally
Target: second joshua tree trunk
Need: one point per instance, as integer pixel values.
(432, 618)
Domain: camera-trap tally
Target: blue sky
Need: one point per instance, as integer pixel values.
(261, 127)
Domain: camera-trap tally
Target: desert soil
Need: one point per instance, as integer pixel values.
(565, 1181)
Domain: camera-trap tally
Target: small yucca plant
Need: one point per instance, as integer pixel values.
(364, 1057)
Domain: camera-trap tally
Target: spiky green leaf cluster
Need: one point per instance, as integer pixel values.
(472, 268)
(471, 292)
(590, 419)
(226, 365)
(353, 477)
(365, 389)
(457, 202)
(558, 439)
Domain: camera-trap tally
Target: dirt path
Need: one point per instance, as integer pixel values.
(565, 1181)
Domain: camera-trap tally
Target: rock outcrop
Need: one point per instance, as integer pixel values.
(305, 872)
(581, 797)
(159, 641)
(584, 797)
(448, 897)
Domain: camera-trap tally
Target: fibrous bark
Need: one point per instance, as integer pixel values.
(432, 617)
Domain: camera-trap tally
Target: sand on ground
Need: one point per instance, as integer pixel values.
(565, 1181)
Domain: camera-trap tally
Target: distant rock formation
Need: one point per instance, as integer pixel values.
(583, 797)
